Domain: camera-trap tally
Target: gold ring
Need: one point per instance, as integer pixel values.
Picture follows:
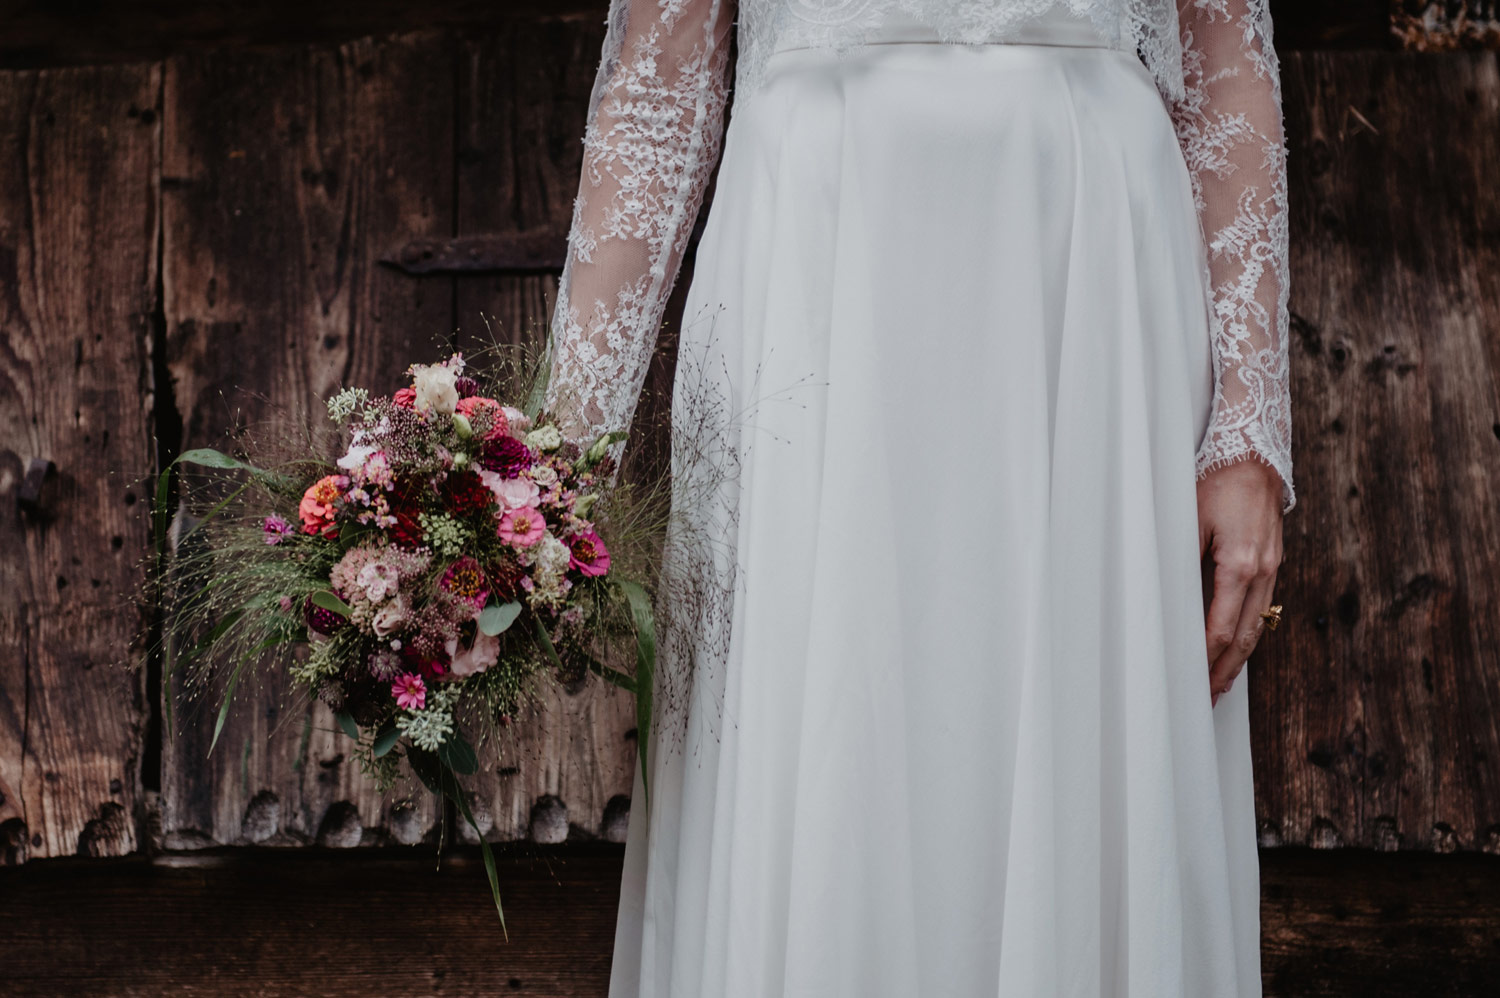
(1272, 617)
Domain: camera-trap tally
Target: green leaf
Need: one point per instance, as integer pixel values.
(645, 669)
(497, 618)
(623, 680)
(545, 640)
(458, 755)
(331, 603)
(386, 740)
(427, 768)
(234, 680)
(346, 721)
(441, 780)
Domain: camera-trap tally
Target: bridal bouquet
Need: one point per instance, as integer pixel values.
(418, 582)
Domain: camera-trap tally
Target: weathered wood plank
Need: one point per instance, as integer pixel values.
(1427, 26)
(78, 221)
(1377, 713)
(521, 103)
(256, 924)
(287, 173)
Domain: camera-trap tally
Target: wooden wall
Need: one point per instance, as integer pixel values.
(191, 246)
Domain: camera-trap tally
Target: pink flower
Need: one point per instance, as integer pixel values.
(474, 658)
(590, 556)
(406, 398)
(474, 404)
(511, 493)
(317, 506)
(522, 527)
(410, 692)
(275, 530)
(465, 579)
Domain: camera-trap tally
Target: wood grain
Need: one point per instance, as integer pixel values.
(78, 222)
(286, 173)
(1377, 712)
(265, 924)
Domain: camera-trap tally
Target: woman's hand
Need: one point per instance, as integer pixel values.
(1239, 525)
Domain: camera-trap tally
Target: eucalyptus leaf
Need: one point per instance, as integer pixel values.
(331, 603)
(496, 619)
(458, 755)
(346, 722)
(645, 670)
(386, 740)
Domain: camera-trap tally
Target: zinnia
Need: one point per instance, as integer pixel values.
(522, 527)
(589, 554)
(316, 508)
(465, 579)
(410, 692)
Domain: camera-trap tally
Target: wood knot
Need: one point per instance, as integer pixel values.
(341, 827)
(549, 820)
(616, 822)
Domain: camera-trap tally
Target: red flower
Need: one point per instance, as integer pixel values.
(406, 398)
(317, 508)
(477, 405)
(463, 493)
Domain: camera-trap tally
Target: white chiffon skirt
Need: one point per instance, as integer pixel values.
(957, 741)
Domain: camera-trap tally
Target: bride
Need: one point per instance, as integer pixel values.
(995, 293)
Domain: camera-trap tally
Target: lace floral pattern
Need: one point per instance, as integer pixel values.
(1230, 128)
(654, 130)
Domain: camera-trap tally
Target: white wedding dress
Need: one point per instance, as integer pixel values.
(966, 321)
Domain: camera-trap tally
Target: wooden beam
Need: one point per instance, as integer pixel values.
(271, 923)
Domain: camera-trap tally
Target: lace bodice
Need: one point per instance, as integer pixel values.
(655, 123)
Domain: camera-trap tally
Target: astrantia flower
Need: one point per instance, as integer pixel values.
(410, 692)
(317, 506)
(274, 529)
(589, 554)
(385, 665)
(522, 527)
(465, 580)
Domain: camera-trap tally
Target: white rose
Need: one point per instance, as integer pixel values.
(390, 618)
(437, 389)
(545, 476)
(545, 438)
(477, 657)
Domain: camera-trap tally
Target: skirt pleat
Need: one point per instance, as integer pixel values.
(958, 742)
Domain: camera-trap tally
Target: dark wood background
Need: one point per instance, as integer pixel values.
(195, 203)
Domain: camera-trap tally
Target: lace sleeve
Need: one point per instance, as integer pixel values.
(1230, 127)
(653, 131)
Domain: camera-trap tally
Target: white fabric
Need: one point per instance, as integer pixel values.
(960, 742)
(654, 127)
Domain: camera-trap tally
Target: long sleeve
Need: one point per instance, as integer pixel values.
(654, 127)
(1230, 129)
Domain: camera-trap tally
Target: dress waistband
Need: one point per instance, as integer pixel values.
(1056, 26)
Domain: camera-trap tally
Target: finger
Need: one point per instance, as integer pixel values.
(1232, 578)
(1248, 631)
